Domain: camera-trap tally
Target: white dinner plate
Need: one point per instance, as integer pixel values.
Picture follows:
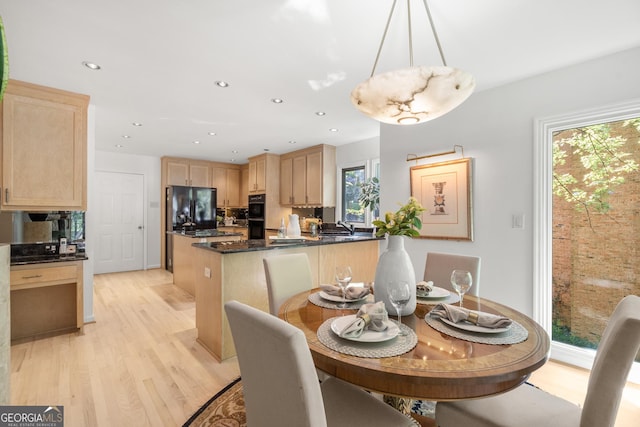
(336, 298)
(436, 292)
(474, 328)
(367, 336)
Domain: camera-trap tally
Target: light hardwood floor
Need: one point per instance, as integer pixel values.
(139, 364)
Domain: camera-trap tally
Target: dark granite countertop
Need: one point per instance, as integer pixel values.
(205, 233)
(41, 259)
(262, 245)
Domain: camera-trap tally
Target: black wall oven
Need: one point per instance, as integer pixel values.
(255, 216)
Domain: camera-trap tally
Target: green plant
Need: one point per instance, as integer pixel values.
(405, 222)
(370, 194)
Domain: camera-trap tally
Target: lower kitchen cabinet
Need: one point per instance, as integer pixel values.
(46, 298)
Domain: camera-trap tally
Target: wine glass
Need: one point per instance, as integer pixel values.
(461, 281)
(399, 295)
(343, 276)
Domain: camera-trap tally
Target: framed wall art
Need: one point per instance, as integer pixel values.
(444, 190)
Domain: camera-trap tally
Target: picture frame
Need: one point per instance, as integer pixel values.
(444, 190)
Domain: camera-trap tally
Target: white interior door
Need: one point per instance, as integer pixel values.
(120, 219)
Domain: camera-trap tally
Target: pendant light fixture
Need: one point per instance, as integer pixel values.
(414, 94)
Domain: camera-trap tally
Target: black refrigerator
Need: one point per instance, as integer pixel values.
(188, 209)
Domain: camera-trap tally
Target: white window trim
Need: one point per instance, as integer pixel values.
(542, 224)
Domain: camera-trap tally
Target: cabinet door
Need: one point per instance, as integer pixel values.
(43, 148)
(314, 178)
(244, 187)
(261, 175)
(299, 180)
(220, 183)
(199, 175)
(177, 173)
(286, 181)
(233, 187)
(252, 177)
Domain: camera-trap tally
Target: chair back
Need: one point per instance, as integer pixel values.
(286, 276)
(616, 352)
(279, 379)
(439, 266)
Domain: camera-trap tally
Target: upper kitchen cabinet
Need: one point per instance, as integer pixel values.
(264, 173)
(308, 177)
(226, 179)
(193, 173)
(44, 148)
(244, 185)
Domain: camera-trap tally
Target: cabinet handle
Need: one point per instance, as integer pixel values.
(32, 277)
(6, 195)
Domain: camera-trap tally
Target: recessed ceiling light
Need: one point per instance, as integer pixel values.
(292, 142)
(320, 113)
(196, 142)
(232, 160)
(221, 83)
(119, 146)
(138, 124)
(333, 130)
(235, 151)
(126, 136)
(265, 149)
(277, 100)
(211, 133)
(91, 65)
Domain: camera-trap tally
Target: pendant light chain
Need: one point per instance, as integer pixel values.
(435, 34)
(410, 35)
(384, 36)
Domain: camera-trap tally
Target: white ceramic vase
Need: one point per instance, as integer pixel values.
(395, 264)
(293, 229)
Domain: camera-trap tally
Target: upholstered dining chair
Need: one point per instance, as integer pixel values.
(439, 266)
(529, 406)
(286, 275)
(280, 384)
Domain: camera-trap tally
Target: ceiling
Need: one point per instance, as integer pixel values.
(160, 60)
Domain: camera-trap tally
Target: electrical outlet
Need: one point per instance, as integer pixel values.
(207, 272)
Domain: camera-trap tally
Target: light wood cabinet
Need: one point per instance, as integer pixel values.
(194, 173)
(308, 177)
(227, 182)
(44, 148)
(244, 186)
(46, 298)
(258, 174)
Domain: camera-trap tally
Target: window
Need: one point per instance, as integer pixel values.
(351, 180)
(586, 188)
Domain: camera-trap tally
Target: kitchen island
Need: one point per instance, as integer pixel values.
(183, 253)
(227, 271)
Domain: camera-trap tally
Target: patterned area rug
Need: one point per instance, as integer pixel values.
(225, 409)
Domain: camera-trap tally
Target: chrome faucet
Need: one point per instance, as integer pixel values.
(350, 227)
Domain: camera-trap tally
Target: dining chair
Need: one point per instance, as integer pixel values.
(529, 406)
(280, 384)
(286, 276)
(439, 266)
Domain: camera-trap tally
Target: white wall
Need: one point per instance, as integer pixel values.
(496, 129)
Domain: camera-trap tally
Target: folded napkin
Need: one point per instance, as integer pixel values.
(370, 316)
(460, 314)
(352, 292)
(424, 288)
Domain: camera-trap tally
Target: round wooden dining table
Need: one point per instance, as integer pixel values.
(440, 367)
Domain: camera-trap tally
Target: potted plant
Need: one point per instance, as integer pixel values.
(370, 194)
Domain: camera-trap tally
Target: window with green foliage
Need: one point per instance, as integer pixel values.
(352, 179)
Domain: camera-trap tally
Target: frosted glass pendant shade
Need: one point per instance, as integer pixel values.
(412, 95)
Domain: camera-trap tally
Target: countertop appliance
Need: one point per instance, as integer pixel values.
(188, 209)
(255, 216)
